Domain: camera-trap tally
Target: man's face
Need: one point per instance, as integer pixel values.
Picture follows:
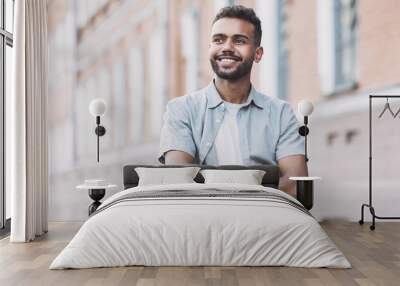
(232, 48)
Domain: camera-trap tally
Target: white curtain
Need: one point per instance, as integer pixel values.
(26, 123)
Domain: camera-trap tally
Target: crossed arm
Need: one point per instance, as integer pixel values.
(290, 166)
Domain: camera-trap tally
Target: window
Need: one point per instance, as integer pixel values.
(190, 48)
(6, 44)
(156, 93)
(119, 102)
(283, 50)
(136, 94)
(345, 19)
(337, 32)
(218, 4)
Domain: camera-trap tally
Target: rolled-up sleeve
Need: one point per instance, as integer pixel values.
(290, 142)
(176, 133)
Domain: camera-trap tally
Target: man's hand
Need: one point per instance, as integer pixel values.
(291, 166)
(175, 157)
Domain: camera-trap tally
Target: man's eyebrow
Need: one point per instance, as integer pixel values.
(240, 36)
(234, 36)
(218, 35)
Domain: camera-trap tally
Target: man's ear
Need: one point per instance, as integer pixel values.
(259, 54)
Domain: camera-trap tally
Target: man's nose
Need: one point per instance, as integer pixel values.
(228, 45)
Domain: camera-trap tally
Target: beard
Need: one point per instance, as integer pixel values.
(240, 71)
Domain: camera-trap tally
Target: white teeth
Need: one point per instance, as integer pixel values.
(227, 60)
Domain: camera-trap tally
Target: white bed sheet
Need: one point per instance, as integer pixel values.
(200, 231)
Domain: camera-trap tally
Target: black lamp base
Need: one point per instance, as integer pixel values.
(303, 130)
(100, 130)
(96, 195)
(305, 193)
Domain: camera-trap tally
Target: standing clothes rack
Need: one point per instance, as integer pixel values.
(369, 205)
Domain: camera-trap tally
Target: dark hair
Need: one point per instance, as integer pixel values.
(243, 13)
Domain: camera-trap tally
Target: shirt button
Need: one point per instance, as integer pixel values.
(208, 144)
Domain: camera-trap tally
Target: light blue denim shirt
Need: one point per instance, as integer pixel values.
(268, 128)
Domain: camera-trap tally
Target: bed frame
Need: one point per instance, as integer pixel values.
(270, 179)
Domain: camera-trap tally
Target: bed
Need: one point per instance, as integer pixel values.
(201, 224)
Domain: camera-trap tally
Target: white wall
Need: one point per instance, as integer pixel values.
(344, 165)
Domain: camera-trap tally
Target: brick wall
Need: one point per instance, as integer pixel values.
(379, 43)
(340, 161)
(302, 41)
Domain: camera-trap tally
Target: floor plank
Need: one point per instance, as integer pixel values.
(375, 257)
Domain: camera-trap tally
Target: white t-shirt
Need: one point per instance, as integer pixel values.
(227, 142)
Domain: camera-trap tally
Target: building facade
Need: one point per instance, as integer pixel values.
(340, 52)
(138, 54)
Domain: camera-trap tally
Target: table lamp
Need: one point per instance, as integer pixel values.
(97, 108)
(304, 187)
(305, 108)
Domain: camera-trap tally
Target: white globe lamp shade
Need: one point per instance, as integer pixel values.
(97, 107)
(305, 107)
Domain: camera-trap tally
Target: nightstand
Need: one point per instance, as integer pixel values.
(96, 190)
(305, 190)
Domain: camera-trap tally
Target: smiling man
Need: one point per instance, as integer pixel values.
(229, 122)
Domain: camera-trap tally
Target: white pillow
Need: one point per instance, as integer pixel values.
(165, 176)
(248, 177)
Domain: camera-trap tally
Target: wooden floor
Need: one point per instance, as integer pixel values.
(375, 257)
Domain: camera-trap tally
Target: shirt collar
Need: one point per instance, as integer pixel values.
(214, 99)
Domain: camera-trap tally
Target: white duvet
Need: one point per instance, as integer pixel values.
(200, 231)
